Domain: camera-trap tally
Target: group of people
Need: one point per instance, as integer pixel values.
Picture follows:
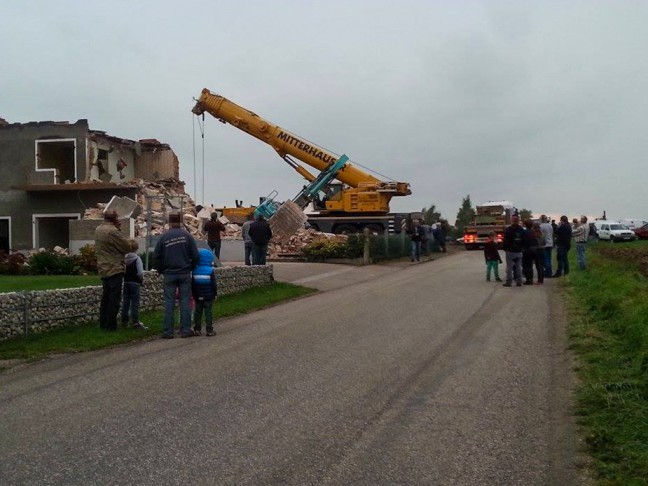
(531, 245)
(187, 272)
(256, 236)
(421, 236)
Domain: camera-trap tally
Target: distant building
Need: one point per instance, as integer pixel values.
(50, 172)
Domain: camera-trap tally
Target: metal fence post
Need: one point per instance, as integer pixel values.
(366, 257)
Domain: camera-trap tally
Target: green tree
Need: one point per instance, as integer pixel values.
(465, 215)
(525, 214)
(431, 215)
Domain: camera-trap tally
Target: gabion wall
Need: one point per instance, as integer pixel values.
(38, 311)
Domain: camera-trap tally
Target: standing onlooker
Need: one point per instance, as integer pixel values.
(539, 259)
(203, 287)
(133, 279)
(563, 244)
(110, 246)
(440, 234)
(554, 227)
(213, 228)
(533, 254)
(260, 234)
(247, 241)
(492, 257)
(581, 235)
(425, 238)
(415, 233)
(513, 246)
(175, 256)
(548, 233)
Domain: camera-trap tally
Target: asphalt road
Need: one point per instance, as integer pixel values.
(397, 374)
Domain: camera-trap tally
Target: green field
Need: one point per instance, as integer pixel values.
(609, 334)
(87, 337)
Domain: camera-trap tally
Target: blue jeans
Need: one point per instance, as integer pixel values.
(131, 302)
(563, 261)
(513, 267)
(415, 250)
(181, 282)
(206, 307)
(547, 261)
(248, 252)
(259, 254)
(580, 255)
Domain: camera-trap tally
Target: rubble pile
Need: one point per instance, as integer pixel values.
(294, 244)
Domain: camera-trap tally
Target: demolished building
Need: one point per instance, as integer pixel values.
(53, 172)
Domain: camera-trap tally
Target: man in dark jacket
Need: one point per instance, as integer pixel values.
(260, 234)
(175, 256)
(513, 246)
(213, 228)
(415, 233)
(563, 245)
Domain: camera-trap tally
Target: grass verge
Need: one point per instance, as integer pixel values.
(16, 283)
(609, 334)
(87, 337)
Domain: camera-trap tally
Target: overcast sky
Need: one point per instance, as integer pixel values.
(541, 103)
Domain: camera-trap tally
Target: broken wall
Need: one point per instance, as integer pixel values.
(154, 165)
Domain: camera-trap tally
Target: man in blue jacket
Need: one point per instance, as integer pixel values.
(175, 256)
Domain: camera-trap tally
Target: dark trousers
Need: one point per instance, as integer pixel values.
(110, 299)
(215, 247)
(531, 259)
(248, 252)
(131, 302)
(563, 260)
(259, 254)
(203, 306)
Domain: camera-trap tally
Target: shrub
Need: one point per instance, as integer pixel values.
(13, 264)
(87, 259)
(323, 249)
(49, 263)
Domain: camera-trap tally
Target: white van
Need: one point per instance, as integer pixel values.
(633, 223)
(614, 231)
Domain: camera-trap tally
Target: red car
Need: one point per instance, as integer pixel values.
(642, 233)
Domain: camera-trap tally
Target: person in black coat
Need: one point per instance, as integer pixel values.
(563, 245)
(513, 246)
(260, 233)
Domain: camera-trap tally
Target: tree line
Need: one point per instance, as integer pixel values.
(465, 217)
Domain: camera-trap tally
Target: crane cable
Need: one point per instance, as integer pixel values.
(202, 134)
(353, 162)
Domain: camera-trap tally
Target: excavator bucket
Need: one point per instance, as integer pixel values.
(287, 220)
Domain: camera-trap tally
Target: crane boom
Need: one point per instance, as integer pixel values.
(286, 143)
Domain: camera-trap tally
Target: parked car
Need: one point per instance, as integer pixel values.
(613, 231)
(642, 233)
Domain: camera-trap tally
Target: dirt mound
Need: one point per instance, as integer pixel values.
(629, 256)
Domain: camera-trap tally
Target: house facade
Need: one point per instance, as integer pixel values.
(53, 171)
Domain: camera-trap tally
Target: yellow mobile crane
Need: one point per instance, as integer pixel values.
(360, 200)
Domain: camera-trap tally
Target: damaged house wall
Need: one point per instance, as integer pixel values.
(54, 171)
